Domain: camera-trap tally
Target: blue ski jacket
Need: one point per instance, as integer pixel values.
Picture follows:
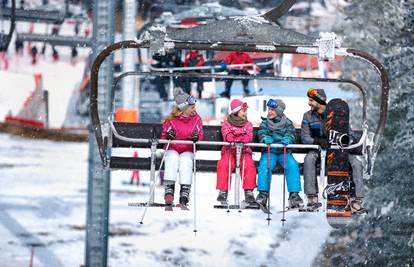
(277, 134)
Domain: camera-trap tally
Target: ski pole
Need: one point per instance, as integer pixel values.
(242, 176)
(229, 177)
(195, 186)
(239, 147)
(268, 182)
(153, 185)
(284, 185)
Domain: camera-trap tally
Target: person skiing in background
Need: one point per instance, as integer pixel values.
(55, 32)
(237, 58)
(194, 59)
(276, 128)
(236, 128)
(313, 132)
(18, 46)
(183, 123)
(33, 53)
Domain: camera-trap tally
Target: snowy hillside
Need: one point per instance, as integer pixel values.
(43, 198)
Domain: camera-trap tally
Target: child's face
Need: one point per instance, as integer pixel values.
(271, 113)
(242, 114)
(191, 110)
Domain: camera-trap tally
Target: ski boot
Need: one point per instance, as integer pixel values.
(295, 201)
(185, 194)
(222, 197)
(169, 187)
(261, 198)
(249, 199)
(313, 203)
(357, 206)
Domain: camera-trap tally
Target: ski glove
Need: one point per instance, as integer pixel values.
(268, 139)
(285, 140)
(170, 135)
(195, 137)
(322, 142)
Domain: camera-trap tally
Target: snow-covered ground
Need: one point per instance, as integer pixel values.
(43, 206)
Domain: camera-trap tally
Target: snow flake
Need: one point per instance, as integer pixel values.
(386, 209)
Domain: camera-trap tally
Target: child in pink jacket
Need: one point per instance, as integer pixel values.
(182, 124)
(236, 129)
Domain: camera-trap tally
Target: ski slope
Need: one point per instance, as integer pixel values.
(59, 77)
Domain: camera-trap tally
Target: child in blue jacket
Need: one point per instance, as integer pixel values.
(276, 128)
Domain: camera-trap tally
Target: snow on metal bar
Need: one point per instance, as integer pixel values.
(251, 19)
(326, 46)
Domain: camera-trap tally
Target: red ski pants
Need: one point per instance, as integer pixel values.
(247, 170)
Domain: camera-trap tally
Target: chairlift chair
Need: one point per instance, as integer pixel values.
(248, 34)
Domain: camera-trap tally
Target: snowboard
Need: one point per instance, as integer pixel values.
(337, 190)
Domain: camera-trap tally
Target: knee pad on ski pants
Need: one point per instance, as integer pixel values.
(179, 163)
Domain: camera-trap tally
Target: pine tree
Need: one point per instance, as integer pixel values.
(385, 237)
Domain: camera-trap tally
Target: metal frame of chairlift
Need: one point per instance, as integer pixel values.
(57, 40)
(34, 15)
(158, 42)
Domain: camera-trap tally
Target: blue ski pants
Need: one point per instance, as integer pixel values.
(292, 172)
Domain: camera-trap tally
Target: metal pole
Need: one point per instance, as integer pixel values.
(322, 179)
(239, 147)
(152, 170)
(171, 87)
(129, 55)
(97, 213)
(256, 86)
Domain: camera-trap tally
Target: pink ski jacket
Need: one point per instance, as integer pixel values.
(184, 127)
(232, 133)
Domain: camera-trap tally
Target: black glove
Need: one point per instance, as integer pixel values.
(195, 136)
(170, 135)
(322, 142)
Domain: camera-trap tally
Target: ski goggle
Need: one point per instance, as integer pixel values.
(313, 93)
(191, 100)
(272, 103)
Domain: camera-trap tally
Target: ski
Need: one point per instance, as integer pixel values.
(264, 209)
(222, 205)
(250, 206)
(182, 206)
(311, 209)
(290, 209)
